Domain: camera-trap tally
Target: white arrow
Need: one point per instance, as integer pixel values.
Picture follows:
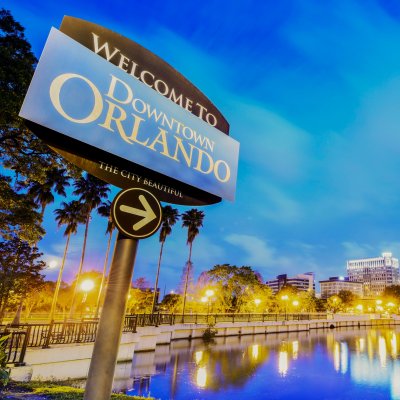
(147, 214)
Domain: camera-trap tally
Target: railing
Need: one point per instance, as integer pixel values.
(45, 335)
(16, 344)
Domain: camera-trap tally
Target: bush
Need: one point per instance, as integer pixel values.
(209, 333)
(4, 371)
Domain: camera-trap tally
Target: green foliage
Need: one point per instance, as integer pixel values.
(21, 151)
(193, 220)
(30, 159)
(209, 333)
(18, 215)
(392, 292)
(170, 216)
(334, 304)
(60, 391)
(140, 301)
(348, 298)
(236, 288)
(172, 303)
(20, 267)
(4, 371)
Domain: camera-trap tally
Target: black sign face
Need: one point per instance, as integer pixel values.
(136, 213)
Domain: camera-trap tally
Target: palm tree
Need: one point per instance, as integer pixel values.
(91, 192)
(71, 216)
(169, 217)
(105, 211)
(193, 220)
(57, 180)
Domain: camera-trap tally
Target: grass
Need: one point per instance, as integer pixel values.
(56, 391)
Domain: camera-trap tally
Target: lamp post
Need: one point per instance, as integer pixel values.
(86, 286)
(257, 303)
(207, 298)
(285, 298)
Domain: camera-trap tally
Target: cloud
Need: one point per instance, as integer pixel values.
(257, 253)
(356, 250)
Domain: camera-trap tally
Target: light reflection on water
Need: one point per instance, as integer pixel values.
(334, 364)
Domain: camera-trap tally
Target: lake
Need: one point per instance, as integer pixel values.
(354, 364)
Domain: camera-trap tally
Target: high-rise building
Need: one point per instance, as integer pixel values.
(375, 273)
(335, 284)
(304, 282)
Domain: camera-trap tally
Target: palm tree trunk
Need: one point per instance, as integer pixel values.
(55, 297)
(158, 273)
(103, 277)
(17, 317)
(189, 266)
(72, 308)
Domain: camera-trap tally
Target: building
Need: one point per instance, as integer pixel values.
(304, 282)
(335, 284)
(375, 273)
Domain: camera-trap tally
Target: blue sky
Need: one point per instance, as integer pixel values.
(311, 90)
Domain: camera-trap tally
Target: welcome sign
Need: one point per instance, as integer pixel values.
(145, 66)
(88, 100)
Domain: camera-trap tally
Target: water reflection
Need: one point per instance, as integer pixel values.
(350, 363)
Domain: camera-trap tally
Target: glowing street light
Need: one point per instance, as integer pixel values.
(86, 286)
(207, 298)
(285, 298)
(209, 293)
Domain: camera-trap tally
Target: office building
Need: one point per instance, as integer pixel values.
(375, 273)
(304, 282)
(335, 284)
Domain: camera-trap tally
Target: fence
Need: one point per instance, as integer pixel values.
(16, 344)
(44, 335)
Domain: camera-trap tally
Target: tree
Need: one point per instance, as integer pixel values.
(20, 268)
(18, 215)
(70, 215)
(237, 288)
(105, 211)
(21, 151)
(348, 298)
(192, 220)
(172, 303)
(37, 300)
(91, 192)
(307, 301)
(139, 301)
(169, 218)
(334, 304)
(392, 292)
(42, 193)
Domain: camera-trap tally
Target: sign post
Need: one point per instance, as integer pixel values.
(105, 351)
(137, 214)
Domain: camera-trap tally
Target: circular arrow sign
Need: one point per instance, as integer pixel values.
(136, 213)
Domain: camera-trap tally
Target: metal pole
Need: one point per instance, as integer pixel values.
(105, 351)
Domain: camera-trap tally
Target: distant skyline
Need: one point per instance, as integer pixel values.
(311, 91)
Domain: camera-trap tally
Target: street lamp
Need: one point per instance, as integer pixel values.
(86, 286)
(295, 303)
(207, 298)
(285, 298)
